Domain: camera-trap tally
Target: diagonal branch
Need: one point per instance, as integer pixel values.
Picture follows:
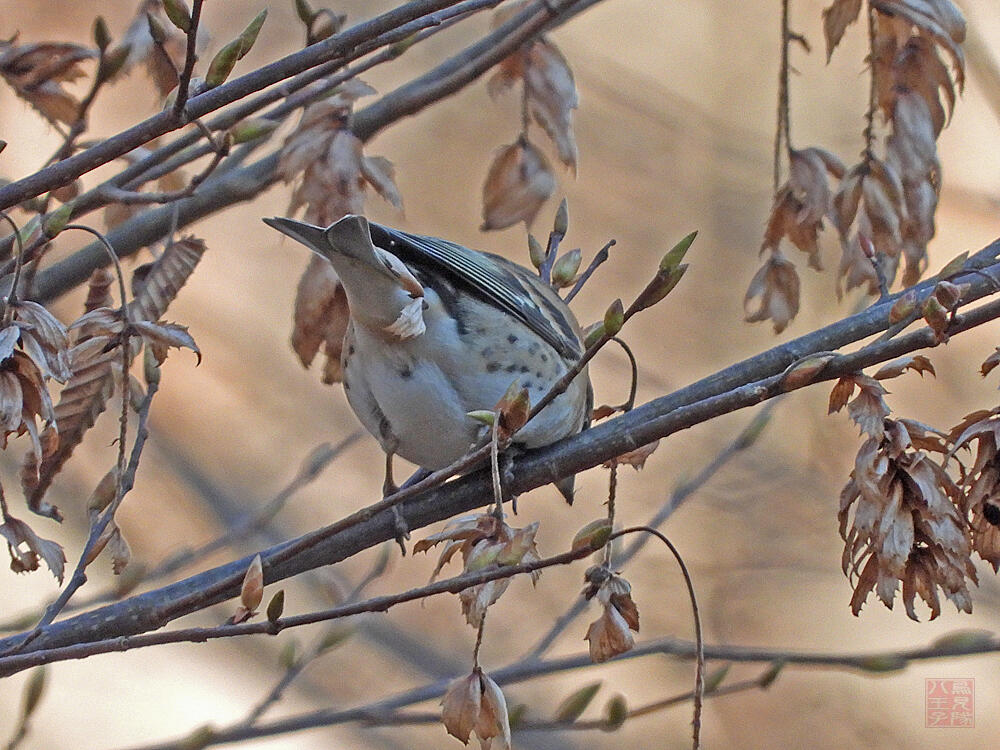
(744, 384)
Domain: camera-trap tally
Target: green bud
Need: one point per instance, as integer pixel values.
(883, 663)
(199, 739)
(561, 224)
(333, 638)
(593, 334)
(615, 713)
(714, 679)
(178, 13)
(276, 606)
(222, 64)
(954, 266)
(676, 254)
(903, 307)
(565, 268)
(614, 318)
(753, 430)
(516, 714)
(404, 44)
(535, 251)
(805, 371)
(249, 35)
(768, 678)
(482, 415)
(56, 221)
(304, 11)
(660, 286)
(576, 703)
(102, 37)
(592, 536)
(112, 62)
(252, 128)
(964, 640)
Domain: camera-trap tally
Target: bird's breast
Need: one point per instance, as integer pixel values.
(414, 394)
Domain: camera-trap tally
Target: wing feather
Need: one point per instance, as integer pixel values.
(494, 279)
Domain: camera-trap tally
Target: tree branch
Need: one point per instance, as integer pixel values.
(744, 384)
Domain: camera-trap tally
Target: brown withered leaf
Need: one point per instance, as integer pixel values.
(161, 61)
(635, 458)
(846, 200)
(380, 174)
(519, 181)
(552, 97)
(95, 370)
(165, 278)
(327, 160)
(941, 19)
(476, 704)
(162, 336)
(320, 317)
(36, 72)
(868, 409)
(912, 147)
(604, 410)
(917, 362)
(902, 521)
(790, 218)
(609, 635)
(989, 363)
(855, 268)
(836, 19)
(27, 549)
(776, 284)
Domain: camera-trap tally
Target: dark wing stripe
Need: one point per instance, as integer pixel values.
(496, 280)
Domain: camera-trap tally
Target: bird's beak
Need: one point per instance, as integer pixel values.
(309, 235)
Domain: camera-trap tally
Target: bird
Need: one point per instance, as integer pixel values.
(438, 330)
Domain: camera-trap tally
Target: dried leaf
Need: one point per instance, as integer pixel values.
(518, 183)
(95, 370)
(805, 371)
(27, 549)
(634, 458)
(990, 362)
(380, 174)
(777, 286)
(252, 590)
(836, 19)
(36, 72)
(917, 362)
(162, 336)
(552, 97)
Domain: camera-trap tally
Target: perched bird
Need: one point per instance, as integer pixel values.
(438, 330)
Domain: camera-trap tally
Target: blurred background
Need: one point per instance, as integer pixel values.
(675, 129)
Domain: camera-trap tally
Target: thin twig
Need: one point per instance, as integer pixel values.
(782, 132)
(699, 671)
(868, 663)
(11, 663)
(674, 500)
(602, 255)
(190, 57)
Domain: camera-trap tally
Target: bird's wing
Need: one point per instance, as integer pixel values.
(496, 280)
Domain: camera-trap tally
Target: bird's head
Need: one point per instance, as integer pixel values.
(381, 291)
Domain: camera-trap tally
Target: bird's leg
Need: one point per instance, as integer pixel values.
(388, 488)
(388, 485)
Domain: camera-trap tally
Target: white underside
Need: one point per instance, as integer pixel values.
(427, 411)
